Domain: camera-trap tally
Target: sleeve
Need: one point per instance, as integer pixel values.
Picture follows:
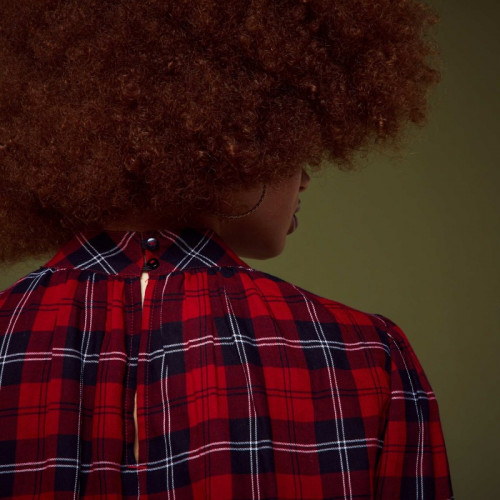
(413, 463)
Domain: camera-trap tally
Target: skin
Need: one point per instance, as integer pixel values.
(260, 235)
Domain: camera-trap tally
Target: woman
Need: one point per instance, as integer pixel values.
(153, 145)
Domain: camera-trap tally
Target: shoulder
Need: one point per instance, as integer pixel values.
(287, 301)
(370, 339)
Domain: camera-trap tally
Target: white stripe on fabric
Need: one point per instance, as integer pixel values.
(13, 320)
(42, 356)
(190, 251)
(85, 330)
(251, 404)
(335, 396)
(164, 397)
(213, 447)
(260, 342)
(420, 447)
(101, 258)
(167, 431)
(421, 394)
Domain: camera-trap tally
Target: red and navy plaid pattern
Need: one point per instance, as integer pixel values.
(248, 387)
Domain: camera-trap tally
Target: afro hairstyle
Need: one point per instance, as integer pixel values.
(114, 107)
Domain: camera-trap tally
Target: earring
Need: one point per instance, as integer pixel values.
(246, 213)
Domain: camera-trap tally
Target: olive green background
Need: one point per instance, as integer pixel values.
(416, 238)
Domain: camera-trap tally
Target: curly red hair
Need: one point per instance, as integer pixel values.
(112, 107)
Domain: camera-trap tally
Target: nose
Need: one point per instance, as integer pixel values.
(306, 179)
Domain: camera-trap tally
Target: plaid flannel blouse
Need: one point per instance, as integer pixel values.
(248, 387)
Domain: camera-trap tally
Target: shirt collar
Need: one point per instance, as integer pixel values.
(159, 252)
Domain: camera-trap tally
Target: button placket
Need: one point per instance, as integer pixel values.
(150, 244)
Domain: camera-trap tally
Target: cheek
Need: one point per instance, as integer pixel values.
(289, 197)
(282, 201)
(283, 210)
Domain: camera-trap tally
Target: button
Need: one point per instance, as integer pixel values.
(152, 243)
(151, 264)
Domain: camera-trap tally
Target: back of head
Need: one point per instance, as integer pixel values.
(163, 107)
